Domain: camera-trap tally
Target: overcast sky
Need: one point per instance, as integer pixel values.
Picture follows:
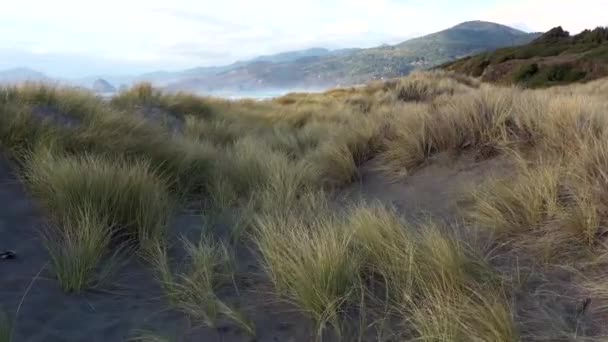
(72, 38)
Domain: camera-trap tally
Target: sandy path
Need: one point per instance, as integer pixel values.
(438, 190)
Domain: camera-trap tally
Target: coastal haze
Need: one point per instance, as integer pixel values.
(313, 69)
(211, 50)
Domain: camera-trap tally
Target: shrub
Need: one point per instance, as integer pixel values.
(525, 72)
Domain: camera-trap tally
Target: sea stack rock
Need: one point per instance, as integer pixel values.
(103, 86)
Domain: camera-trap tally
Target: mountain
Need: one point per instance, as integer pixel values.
(103, 87)
(465, 39)
(554, 58)
(19, 75)
(165, 77)
(292, 55)
(321, 68)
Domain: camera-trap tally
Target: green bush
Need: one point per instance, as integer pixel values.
(526, 72)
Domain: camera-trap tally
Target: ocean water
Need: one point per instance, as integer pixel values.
(240, 95)
(259, 95)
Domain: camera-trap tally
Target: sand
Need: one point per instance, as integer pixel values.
(134, 301)
(438, 190)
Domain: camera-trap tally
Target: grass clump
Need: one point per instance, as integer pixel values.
(64, 105)
(95, 201)
(125, 195)
(20, 131)
(436, 284)
(474, 316)
(209, 267)
(511, 207)
(78, 248)
(310, 261)
(180, 105)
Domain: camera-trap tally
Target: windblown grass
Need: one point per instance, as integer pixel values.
(319, 262)
(527, 203)
(194, 290)
(20, 131)
(77, 249)
(310, 261)
(96, 203)
(125, 196)
(67, 102)
(144, 94)
(114, 174)
(436, 283)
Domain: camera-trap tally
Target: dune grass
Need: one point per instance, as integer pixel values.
(127, 196)
(324, 262)
(96, 203)
(445, 289)
(310, 261)
(194, 290)
(114, 176)
(77, 249)
(527, 203)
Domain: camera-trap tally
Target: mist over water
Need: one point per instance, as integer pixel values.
(258, 94)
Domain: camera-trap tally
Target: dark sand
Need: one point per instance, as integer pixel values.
(135, 301)
(438, 190)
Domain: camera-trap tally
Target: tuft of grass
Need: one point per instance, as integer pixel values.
(331, 165)
(127, 197)
(387, 247)
(458, 295)
(408, 145)
(310, 261)
(20, 131)
(77, 249)
(149, 336)
(525, 204)
(180, 104)
(473, 316)
(96, 203)
(438, 285)
(194, 291)
(63, 104)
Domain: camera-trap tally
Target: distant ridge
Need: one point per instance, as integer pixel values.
(322, 68)
(316, 68)
(20, 75)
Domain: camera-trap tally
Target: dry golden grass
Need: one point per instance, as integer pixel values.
(310, 261)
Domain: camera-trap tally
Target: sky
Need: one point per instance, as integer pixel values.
(74, 38)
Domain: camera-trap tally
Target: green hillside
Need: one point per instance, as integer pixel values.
(552, 59)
